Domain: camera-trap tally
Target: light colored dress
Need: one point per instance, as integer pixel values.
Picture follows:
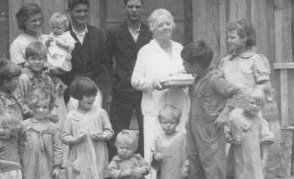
(174, 155)
(42, 150)
(117, 165)
(89, 158)
(18, 46)
(244, 159)
(246, 69)
(155, 64)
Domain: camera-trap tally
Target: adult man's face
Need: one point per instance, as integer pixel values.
(134, 9)
(79, 14)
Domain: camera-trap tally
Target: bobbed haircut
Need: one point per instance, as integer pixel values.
(126, 1)
(128, 137)
(73, 3)
(156, 15)
(82, 86)
(244, 29)
(25, 13)
(34, 49)
(170, 112)
(40, 94)
(8, 70)
(58, 17)
(10, 122)
(197, 52)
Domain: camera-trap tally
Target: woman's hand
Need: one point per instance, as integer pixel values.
(158, 156)
(157, 85)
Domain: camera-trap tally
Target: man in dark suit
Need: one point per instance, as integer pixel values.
(89, 54)
(123, 43)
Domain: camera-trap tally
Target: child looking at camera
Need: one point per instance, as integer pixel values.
(42, 154)
(127, 164)
(169, 153)
(86, 130)
(250, 138)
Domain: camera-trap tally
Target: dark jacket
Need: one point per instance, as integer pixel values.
(88, 58)
(122, 51)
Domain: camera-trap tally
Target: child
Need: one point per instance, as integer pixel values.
(250, 138)
(42, 155)
(35, 77)
(205, 140)
(243, 67)
(9, 78)
(86, 131)
(59, 43)
(170, 146)
(10, 145)
(127, 164)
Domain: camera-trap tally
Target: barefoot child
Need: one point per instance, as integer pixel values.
(86, 130)
(250, 138)
(42, 155)
(169, 153)
(127, 164)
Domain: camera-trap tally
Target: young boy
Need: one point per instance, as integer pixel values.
(205, 137)
(34, 77)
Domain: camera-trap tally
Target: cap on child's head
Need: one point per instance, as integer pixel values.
(82, 86)
(199, 53)
(35, 49)
(244, 29)
(127, 137)
(8, 70)
(170, 112)
(40, 94)
(59, 18)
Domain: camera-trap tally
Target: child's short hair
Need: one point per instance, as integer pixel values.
(8, 70)
(82, 86)
(244, 29)
(40, 94)
(58, 17)
(73, 3)
(258, 95)
(199, 53)
(35, 48)
(128, 137)
(170, 112)
(10, 122)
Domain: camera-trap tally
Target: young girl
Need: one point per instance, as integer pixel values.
(86, 131)
(10, 121)
(127, 164)
(250, 138)
(59, 43)
(169, 147)
(42, 155)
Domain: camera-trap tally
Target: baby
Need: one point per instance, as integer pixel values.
(59, 43)
(127, 164)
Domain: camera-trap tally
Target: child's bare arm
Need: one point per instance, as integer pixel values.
(115, 172)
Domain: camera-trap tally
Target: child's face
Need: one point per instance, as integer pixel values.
(5, 133)
(87, 102)
(58, 28)
(254, 106)
(168, 125)
(42, 109)
(124, 150)
(235, 42)
(12, 84)
(193, 69)
(36, 63)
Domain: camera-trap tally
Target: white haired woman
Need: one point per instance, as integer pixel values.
(157, 61)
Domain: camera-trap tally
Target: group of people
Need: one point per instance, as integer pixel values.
(52, 94)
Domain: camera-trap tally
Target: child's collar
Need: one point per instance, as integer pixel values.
(32, 74)
(245, 55)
